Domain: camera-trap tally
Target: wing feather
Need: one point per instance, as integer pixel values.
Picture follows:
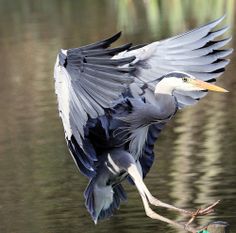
(87, 82)
(193, 35)
(198, 52)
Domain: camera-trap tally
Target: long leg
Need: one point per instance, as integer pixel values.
(154, 201)
(120, 160)
(138, 180)
(134, 173)
(200, 212)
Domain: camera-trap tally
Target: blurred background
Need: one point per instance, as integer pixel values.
(40, 188)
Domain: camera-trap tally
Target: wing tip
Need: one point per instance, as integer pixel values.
(220, 19)
(113, 38)
(215, 22)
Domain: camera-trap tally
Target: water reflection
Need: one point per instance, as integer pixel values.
(41, 191)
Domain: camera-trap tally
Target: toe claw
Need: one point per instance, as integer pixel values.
(200, 212)
(205, 211)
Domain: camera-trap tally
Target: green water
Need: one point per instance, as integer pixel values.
(40, 188)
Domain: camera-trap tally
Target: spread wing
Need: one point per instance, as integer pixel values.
(88, 81)
(197, 52)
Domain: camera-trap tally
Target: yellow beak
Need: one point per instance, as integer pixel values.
(207, 86)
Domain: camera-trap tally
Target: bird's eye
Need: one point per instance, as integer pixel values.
(185, 79)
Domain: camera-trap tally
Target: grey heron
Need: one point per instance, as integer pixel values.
(114, 103)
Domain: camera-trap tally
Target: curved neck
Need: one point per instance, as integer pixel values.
(164, 96)
(166, 104)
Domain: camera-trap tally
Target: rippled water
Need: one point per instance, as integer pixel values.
(40, 188)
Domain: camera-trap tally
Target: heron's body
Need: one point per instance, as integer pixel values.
(115, 102)
(110, 137)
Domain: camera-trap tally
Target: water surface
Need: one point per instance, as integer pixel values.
(40, 188)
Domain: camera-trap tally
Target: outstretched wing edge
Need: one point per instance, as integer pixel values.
(198, 52)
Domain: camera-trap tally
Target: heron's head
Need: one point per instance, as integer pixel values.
(181, 81)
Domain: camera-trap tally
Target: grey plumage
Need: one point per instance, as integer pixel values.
(193, 52)
(110, 113)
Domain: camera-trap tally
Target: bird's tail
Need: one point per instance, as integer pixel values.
(102, 201)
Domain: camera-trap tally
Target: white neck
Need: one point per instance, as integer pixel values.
(166, 86)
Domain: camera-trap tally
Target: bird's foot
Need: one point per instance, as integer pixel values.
(180, 225)
(202, 212)
(193, 214)
(209, 209)
(199, 212)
